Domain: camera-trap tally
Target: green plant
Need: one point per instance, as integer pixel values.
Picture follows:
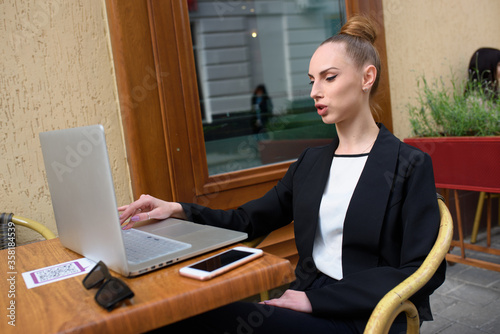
(441, 111)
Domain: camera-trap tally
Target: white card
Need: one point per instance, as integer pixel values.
(57, 272)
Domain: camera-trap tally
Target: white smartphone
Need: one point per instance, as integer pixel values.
(220, 263)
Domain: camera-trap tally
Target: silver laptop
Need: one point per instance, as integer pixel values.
(85, 209)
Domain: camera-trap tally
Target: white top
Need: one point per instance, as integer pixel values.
(344, 175)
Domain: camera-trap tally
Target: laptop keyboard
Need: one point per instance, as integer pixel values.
(141, 246)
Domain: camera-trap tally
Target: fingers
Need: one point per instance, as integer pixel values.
(294, 300)
(148, 207)
(274, 302)
(141, 216)
(129, 223)
(143, 204)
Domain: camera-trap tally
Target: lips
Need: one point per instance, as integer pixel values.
(321, 108)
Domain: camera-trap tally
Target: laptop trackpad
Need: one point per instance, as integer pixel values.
(176, 230)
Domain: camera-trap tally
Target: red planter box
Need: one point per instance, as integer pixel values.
(465, 163)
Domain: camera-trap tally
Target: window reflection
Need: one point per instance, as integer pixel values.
(252, 59)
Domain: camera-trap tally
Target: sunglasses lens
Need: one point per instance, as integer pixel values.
(96, 276)
(112, 292)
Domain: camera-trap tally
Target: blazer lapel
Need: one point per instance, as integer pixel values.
(365, 215)
(307, 209)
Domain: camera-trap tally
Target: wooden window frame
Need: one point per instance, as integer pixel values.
(159, 105)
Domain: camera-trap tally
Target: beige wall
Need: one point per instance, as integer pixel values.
(433, 38)
(56, 72)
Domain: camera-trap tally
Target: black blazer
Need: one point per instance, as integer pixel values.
(391, 224)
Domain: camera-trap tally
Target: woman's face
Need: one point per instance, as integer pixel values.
(337, 84)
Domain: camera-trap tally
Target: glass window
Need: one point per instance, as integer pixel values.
(252, 59)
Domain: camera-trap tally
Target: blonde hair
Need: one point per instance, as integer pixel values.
(359, 35)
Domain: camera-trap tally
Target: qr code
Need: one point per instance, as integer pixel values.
(57, 272)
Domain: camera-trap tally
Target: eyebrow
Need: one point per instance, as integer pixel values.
(324, 71)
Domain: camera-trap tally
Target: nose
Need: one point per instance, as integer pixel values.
(315, 91)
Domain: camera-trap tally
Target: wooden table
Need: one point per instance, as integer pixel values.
(161, 297)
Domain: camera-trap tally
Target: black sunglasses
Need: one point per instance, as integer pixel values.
(112, 290)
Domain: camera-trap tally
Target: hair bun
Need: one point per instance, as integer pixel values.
(361, 27)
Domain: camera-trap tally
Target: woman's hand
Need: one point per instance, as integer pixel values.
(149, 207)
(293, 300)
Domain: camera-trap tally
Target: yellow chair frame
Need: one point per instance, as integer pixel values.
(483, 196)
(396, 301)
(34, 225)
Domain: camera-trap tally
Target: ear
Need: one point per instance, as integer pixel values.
(369, 76)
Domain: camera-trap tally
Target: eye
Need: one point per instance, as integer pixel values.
(311, 82)
(331, 78)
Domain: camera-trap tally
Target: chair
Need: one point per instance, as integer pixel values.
(479, 211)
(6, 218)
(396, 300)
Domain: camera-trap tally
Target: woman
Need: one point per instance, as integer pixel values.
(364, 209)
(262, 106)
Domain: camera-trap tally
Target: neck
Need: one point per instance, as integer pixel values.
(356, 138)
